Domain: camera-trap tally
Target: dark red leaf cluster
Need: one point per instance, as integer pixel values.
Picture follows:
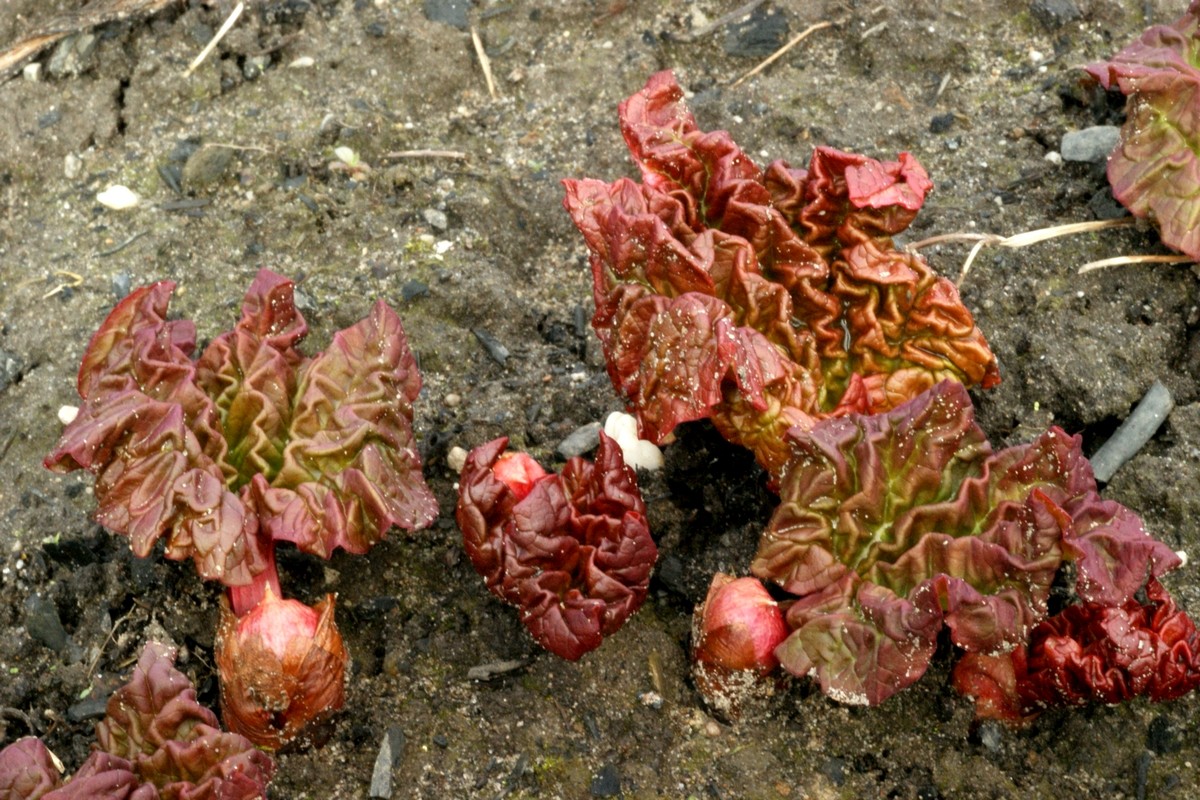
(1089, 653)
(571, 550)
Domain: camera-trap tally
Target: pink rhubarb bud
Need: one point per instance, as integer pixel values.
(519, 472)
(734, 636)
(282, 666)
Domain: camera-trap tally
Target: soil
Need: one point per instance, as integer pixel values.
(981, 92)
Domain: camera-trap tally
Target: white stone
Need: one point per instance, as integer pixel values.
(622, 428)
(67, 414)
(118, 197)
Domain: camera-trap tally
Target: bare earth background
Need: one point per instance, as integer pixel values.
(484, 243)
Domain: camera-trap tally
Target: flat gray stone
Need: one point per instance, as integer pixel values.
(1090, 145)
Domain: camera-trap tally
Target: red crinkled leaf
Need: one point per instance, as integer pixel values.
(27, 770)
(575, 553)
(895, 524)
(155, 724)
(1154, 170)
(153, 439)
(762, 300)
(106, 777)
(351, 468)
(254, 435)
(1089, 653)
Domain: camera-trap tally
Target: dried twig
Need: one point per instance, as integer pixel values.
(485, 63)
(212, 44)
(1119, 261)
(1023, 239)
(94, 14)
(457, 155)
(771, 59)
(73, 280)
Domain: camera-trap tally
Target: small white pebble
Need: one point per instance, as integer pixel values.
(67, 414)
(118, 197)
(456, 459)
(452, 400)
(622, 428)
(32, 72)
(72, 166)
(712, 729)
(302, 62)
(1054, 157)
(442, 247)
(346, 155)
(1183, 559)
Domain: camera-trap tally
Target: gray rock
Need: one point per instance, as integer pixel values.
(580, 441)
(1090, 145)
(43, 624)
(72, 56)
(757, 36)
(255, 66)
(436, 219)
(1053, 14)
(12, 367)
(206, 166)
(607, 782)
(390, 751)
(451, 12)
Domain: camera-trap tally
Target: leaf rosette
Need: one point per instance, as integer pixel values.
(253, 442)
(572, 550)
(761, 299)
(895, 525)
(155, 741)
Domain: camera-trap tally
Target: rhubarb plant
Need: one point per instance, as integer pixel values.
(155, 741)
(896, 525)
(572, 550)
(252, 444)
(762, 299)
(1154, 170)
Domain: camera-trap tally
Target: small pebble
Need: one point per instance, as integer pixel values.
(72, 166)
(32, 72)
(1090, 145)
(607, 782)
(436, 219)
(43, 624)
(456, 459)
(452, 400)
(390, 751)
(303, 62)
(67, 414)
(206, 166)
(118, 197)
(580, 441)
(712, 729)
(497, 351)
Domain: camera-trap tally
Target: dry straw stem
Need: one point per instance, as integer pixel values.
(485, 63)
(1123, 260)
(212, 45)
(94, 14)
(1025, 239)
(797, 39)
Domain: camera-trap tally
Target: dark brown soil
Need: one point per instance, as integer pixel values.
(998, 81)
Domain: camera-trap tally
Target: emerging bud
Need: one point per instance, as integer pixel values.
(519, 472)
(734, 636)
(282, 666)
